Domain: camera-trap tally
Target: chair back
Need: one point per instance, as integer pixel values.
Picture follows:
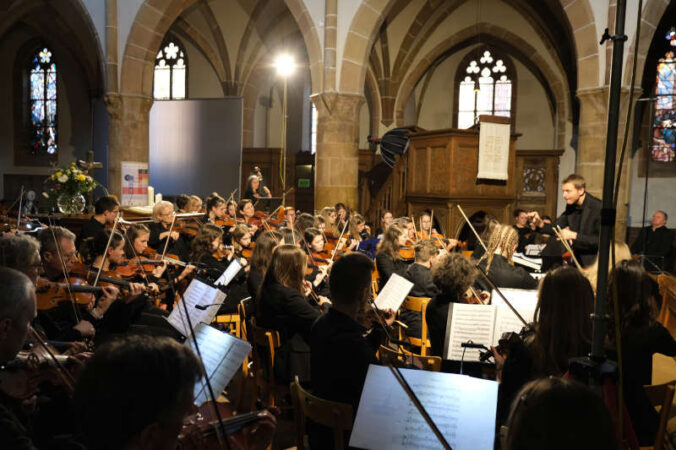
(667, 314)
(409, 360)
(335, 415)
(232, 321)
(662, 396)
(265, 343)
(419, 305)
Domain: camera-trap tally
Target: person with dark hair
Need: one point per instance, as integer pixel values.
(522, 227)
(655, 243)
(559, 414)
(388, 260)
(343, 215)
(580, 222)
(282, 305)
(289, 217)
(453, 275)
(561, 330)
(642, 337)
(260, 260)
(255, 189)
(114, 413)
(342, 349)
(182, 203)
(215, 206)
(304, 221)
(106, 209)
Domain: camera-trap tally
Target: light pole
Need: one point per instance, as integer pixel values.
(285, 65)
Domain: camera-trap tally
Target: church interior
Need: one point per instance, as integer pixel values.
(374, 173)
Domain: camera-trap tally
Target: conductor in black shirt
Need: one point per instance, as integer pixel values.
(581, 221)
(655, 243)
(106, 209)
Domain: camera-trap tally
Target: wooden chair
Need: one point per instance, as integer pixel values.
(662, 396)
(419, 305)
(334, 415)
(265, 343)
(241, 310)
(409, 360)
(232, 321)
(667, 314)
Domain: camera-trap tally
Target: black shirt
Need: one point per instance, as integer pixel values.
(421, 277)
(437, 318)
(179, 247)
(504, 275)
(656, 244)
(387, 266)
(525, 238)
(89, 230)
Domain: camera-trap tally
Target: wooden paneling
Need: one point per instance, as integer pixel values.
(538, 180)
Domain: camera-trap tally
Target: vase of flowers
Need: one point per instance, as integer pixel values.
(67, 186)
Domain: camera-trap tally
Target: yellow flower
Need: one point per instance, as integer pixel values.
(81, 177)
(58, 174)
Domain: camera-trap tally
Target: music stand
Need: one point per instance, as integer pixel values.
(267, 203)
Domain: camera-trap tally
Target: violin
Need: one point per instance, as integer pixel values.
(204, 432)
(132, 268)
(169, 257)
(226, 221)
(49, 294)
(223, 252)
(247, 252)
(187, 228)
(473, 297)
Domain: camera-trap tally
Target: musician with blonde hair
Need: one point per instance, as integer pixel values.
(497, 261)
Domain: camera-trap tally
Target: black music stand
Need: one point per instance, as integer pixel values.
(267, 204)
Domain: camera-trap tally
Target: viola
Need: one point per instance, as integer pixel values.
(49, 294)
(204, 432)
(247, 252)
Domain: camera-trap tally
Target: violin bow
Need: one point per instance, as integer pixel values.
(415, 232)
(67, 378)
(485, 275)
(416, 402)
(166, 243)
(105, 252)
(138, 260)
(333, 255)
(472, 228)
(18, 217)
(63, 270)
(232, 195)
(566, 245)
(432, 223)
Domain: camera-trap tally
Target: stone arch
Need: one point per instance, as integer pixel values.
(363, 29)
(373, 100)
(581, 19)
(556, 90)
(650, 19)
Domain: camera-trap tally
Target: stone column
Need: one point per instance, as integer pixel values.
(592, 147)
(128, 134)
(337, 158)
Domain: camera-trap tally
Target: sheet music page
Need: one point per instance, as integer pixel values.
(468, 323)
(523, 300)
(222, 355)
(394, 292)
(233, 269)
(463, 408)
(198, 293)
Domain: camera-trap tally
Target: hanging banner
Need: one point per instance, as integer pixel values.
(134, 183)
(494, 134)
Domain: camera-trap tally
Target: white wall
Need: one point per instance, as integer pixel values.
(202, 79)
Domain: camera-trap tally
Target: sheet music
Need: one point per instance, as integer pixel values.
(222, 355)
(394, 292)
(198, 293)
(463, 408)
(523, 300)
(233, 269)
(468, 323)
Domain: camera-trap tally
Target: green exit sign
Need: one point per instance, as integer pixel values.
(303, 182)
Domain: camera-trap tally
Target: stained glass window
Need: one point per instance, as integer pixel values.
(170, 72)
(486, 88)
(663, 147)
(43, 102)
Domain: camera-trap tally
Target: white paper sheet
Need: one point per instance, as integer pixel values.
(468, 323)
(523, 300)
(198, 293)
(233, 269)
(493, 151)
(222, 355)
(463, 408)
(394, 292)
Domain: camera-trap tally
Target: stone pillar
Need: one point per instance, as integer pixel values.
(592, 147)
(337, 158)
(128, 134)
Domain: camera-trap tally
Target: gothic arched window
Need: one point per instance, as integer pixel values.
(483, 86)
(664, 126)
(171, 68)
(42, 83)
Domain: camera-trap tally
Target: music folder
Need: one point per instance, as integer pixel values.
(463, 408)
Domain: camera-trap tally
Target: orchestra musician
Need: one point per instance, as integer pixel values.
(580, 222)
(386, 219)
(255, 189)
(406, 224)
(231, 209)
(216, 208)
(419, 273)
(246, 211)
(163, 215)
(282, 305)
(342, 214)
(289, 217)
(106, 210)
(427, 231)
(388, 260)
(498, 264)
(260, 260)
(320, 223)
(330, 217)
(194, 204)
(522, 227)
(318, 260)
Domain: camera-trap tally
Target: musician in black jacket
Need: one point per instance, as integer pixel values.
(655, 243)
(497, 261)
(420, 275)
(388, 260)
(581, 221)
